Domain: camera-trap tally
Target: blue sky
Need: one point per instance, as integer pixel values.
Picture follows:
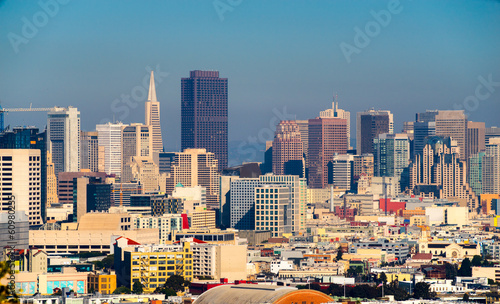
(279, 56)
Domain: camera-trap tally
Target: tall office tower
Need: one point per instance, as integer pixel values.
(491, 167)
(153, 116)
(51, 182)
(453, 124)
(438, 172)
(475, 137)
(136, 141)
(271, 203)
(304, 137)
(391, 154)
(21, 182)
(29, 138)
(298, 202)
(89, 151)
(204, 114)
(490, 133)
(326, 137)
(242, 207)
(340, 175)
(193, 167)
(267, 165)
(369, 125)
(110, 137)
(63, 139)
(476, 172)
(335, 112)
(422, 130)
(287, 145)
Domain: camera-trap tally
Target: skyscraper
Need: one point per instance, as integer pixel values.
(63, 139)
(109, 136)
(369, 125)
(453, 124)
(391, 154)
(326, 137)
(287, 145)
(204, 114)
(475, 137)
(491, 167)
(153, 116)
(335, 112)
(89, 149)
(490, 133)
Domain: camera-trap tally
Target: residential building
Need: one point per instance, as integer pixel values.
(204, 105)
(491, 167)
(391, 154)
(271, 209)
(104, 283)
(166, 224)
(242, 207)
(476, 172)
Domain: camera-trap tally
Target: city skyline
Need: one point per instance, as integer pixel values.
(399, 70)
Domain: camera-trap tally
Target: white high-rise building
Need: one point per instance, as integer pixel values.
(109, 136)
(21, 182)
(153, 116)
(63, 139)
(339, 113)
(491, 167)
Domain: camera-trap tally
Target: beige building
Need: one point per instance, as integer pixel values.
(152, 119)
(450, 250)
(137, 141)
(491, 167)
(95, 232)
(195, 167)
(28, 283)
(89, 151)
(21, 182)
(201, 218)
(220, 261)
(145, 171)
(453, 215)
(335, 112)
(492, 273)
(453, 124)
(52, 197)
(271, 204)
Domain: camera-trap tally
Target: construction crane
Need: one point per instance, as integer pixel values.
(30, 109)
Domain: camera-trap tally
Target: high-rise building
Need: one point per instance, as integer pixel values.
(90, 194)
(422, 130)
(65, 184)
(89, 151)
(287, 145)
(438, 172)
(271, 214)
(242, 207)
(340, 175)
(453, 124)
(326, 137)
(491, 167)
(391, 154)
(121, 193)
(335, 112)
(304, 137)
(204, 114)
(21, 183)
(490, 133)
(52, 197)
(137, 140)
(110, 137)
(369, 125)
(144, 170)
(153, 116)
(475, 137)
(476, 172)
(193, 167)
(409, 128)
(363, 165)
(63, 139)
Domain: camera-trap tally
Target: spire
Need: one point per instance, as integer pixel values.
(152, 89)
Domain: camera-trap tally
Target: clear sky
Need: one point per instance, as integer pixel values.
(279, 56)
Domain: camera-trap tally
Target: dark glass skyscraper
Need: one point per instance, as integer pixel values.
(204, 114)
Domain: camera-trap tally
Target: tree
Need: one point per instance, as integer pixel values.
(465, 269)
(477, 261)
(422, 291)
(383, 277)
(122, 290)
(177, 283)
(465, 297)
(339, 254)
(7, 295)
(451, 271)
(137, 288)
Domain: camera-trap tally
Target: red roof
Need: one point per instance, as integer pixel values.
(422, 256)
(129, 241)
(195, 241)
